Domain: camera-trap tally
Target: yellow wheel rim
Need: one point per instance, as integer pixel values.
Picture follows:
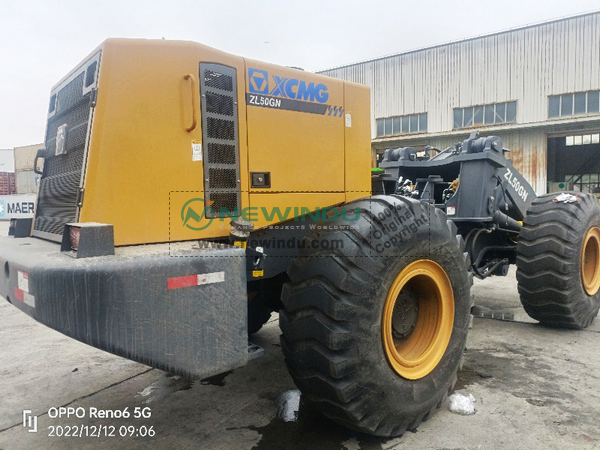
(415, 349)
(590, 261)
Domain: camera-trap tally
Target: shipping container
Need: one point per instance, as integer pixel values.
(25, 156)
(27, 182)
(17, 206)
(7, 183)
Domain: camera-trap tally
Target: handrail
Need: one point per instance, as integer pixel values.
(192, 79)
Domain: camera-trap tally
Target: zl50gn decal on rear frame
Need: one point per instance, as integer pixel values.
(292, 94)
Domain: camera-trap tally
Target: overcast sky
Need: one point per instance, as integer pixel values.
(41, 40)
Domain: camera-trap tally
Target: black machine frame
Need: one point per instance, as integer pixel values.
(478, 188)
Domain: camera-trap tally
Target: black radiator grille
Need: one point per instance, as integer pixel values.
(60, 182)
(218, 91)
(226, 200)
(220, 129)
(54, 167)
(222, 178)
(217, 78)
(220, 153)
(77, 122)
(219, 104)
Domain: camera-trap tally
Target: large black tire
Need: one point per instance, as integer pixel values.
(551, 273)
(334, 308)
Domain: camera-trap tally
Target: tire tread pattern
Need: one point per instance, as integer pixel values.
(548, 268)
(326, 303)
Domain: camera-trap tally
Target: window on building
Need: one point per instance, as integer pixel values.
(574, 104)
(585, 139)
(388, 123)
(380, 127)
(492, 114)
(392, 126)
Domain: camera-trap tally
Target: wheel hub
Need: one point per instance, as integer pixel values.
(418, 318)
(590, 261)
(404, 317)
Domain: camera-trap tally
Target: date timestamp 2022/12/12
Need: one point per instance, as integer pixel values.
(100, 431)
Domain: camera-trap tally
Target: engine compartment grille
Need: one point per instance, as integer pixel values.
(218, 91)
(69, 115)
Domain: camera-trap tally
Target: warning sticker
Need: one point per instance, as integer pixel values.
(25, 297)
(197, 150)
(29, 299)
(23, 280)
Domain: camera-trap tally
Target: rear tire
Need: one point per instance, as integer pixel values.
(348, 354)
(558, 261)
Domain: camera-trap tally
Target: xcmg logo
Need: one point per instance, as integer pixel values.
(292, 88)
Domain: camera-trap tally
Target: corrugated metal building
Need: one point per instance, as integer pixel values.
(537, 87)
(7, 183)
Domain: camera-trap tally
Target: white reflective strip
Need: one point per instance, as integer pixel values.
(209, 278)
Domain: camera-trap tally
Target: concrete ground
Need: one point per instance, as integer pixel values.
(535, 388)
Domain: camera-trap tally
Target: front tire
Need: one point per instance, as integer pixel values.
(374, 330)
(558, 261)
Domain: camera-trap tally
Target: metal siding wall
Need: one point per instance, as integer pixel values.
(526, 65)
(528, 154)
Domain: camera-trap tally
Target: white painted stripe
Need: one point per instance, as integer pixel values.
(210, 278)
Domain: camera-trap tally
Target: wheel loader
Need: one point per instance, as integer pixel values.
(187, 193)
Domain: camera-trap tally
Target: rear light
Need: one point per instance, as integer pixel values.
(88, 239)
(74, 234)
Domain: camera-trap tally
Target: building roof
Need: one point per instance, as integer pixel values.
(506, 31)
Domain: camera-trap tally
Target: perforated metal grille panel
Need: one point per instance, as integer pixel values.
(220, 129)
(61, 179)
(226, 200)
(222, 178)
(221, 153)
(215, 77)
(218, 90)
(219, 104)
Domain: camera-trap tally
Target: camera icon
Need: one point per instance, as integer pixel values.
(29, 421)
